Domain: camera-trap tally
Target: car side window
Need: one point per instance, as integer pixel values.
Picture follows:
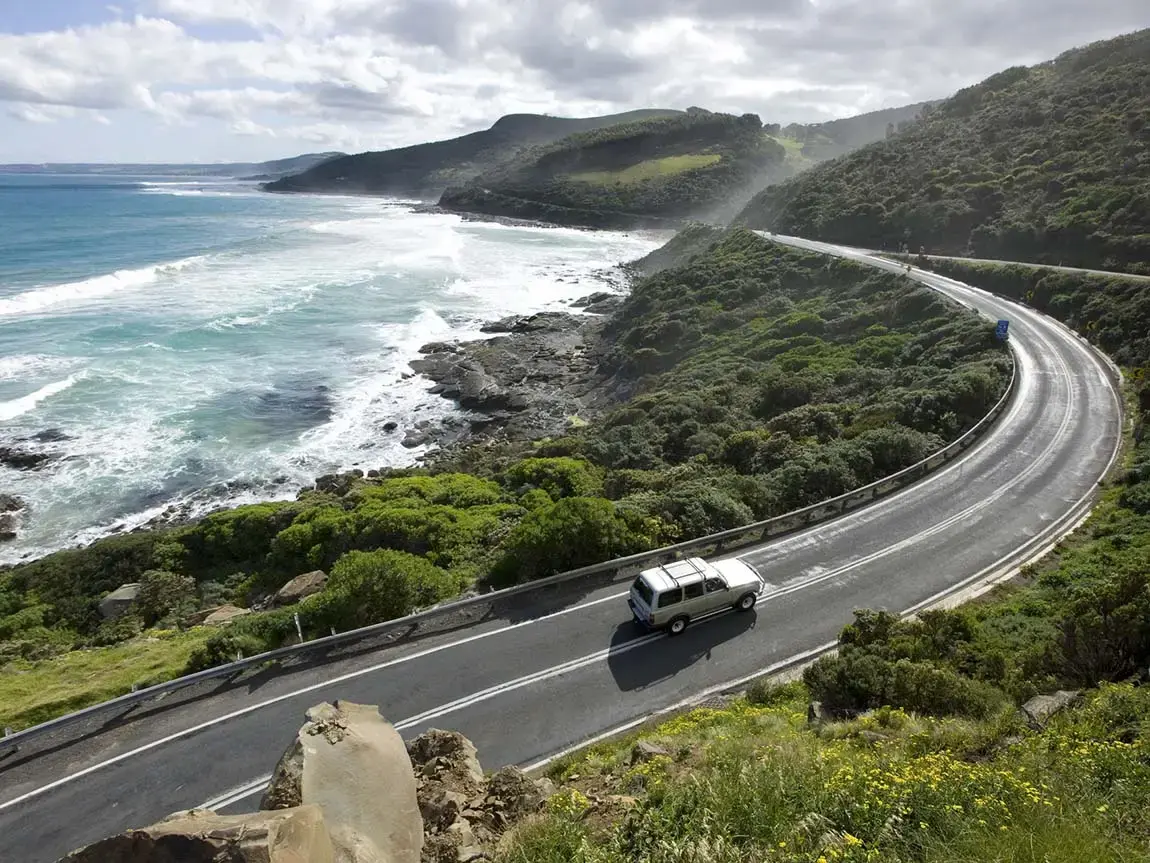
(715, 584)
(693, 591)
(671, 597)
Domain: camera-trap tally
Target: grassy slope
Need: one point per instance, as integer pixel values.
(754, 782)
(32, 692)
(648, 170)
(752, 379)
(1048, 164)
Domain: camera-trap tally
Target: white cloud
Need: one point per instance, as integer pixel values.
(376, 73)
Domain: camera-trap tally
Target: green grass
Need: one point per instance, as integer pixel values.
(33, 692)
(755, 782)
(649, 170)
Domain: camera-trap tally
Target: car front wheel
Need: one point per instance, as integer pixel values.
(676, 626)
(746, 602)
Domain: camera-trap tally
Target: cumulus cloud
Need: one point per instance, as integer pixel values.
(368, 73)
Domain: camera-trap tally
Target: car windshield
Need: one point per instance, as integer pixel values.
(643, 589)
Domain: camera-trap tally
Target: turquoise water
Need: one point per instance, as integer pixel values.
(204, 343)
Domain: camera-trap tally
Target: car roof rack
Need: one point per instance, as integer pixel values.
(678, 571)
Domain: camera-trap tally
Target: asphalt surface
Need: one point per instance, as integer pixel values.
(1055, 267)
(526, 691)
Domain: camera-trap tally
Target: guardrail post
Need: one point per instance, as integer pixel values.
(8, 732)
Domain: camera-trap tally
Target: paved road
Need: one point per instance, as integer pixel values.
(1056, 267)
(525, 691)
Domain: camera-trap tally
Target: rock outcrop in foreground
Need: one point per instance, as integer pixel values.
(349, 790)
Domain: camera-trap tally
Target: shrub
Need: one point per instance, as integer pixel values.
(570, 533)
(164, 595)
(367, 587)
(559, 477)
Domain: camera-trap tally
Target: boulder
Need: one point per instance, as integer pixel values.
(10, 503)
(817, 713)
(117, 602)
(353, 765)
(1038, 710)
(644, 751)
(300, 587)
(225, 614)
(296, 835)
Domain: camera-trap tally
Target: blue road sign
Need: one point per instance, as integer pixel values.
(1000, 330)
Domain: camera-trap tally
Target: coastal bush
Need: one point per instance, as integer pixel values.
(559, 477)
(165, 596)
(371, 586)
(568, 534)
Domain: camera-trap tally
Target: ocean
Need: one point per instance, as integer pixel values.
(201, 343)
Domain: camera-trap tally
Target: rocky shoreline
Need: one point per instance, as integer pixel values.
(534, 376)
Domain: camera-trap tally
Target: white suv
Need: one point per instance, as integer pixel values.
(672, 595)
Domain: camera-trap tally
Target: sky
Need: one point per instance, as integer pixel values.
(247, 80)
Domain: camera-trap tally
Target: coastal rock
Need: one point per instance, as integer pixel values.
(352, 764)
(300, 587)
(1038, 710)
(10, 509)
(522, 385)
(116, 603)
(19, 458)
(10, 503)
(296, 835)
(605, 306)
(336, 483)
(52, 435)
(591, 299)
(225, 614)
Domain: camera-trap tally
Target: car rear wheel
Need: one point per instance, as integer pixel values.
(746, 602)
(676, 626)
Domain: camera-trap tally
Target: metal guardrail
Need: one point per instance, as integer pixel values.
(613, 570)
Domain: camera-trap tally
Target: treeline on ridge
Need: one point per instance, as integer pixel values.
(1049, 164)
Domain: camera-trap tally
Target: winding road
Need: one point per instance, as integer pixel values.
(527, 690)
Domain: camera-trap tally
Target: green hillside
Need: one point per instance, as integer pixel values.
(690, 165)
(1047, 164)
(818, 142)
(426, 169)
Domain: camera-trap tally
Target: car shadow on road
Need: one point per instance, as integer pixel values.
(665, 657)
